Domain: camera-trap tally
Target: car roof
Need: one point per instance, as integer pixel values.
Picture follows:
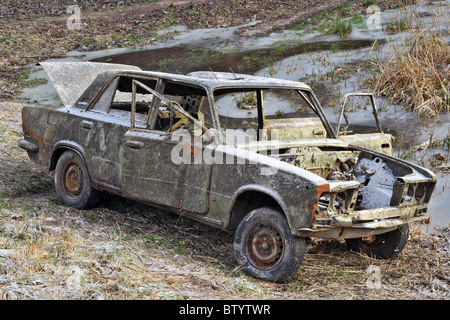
(216, 80)
(78, 83)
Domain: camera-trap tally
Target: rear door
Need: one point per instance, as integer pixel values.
(102, 130)
(148, 173)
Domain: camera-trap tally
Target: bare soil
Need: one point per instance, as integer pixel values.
(125, 250)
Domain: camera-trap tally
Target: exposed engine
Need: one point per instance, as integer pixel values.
(381, 182)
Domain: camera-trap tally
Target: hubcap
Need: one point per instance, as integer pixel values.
(74, 179)
(265, 246)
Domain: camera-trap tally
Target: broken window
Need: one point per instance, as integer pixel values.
(171, 106)
(116, 100)
(238, 110)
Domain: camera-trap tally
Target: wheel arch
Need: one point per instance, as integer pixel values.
(63, 146)
(253, 197)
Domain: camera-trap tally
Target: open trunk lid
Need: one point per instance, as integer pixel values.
(71, 79)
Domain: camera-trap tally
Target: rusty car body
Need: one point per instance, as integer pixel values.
(258, 155)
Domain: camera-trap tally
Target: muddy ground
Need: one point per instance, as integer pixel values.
(125, 250)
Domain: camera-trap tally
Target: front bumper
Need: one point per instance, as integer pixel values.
(365, 223)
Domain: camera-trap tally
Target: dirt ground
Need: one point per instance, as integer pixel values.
(125, 250)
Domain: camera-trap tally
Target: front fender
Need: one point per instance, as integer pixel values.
(295, 190)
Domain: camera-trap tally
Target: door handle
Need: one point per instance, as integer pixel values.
(134, 144)
(87, 124)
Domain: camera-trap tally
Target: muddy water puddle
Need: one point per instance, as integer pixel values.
(185, 59)
(330, 65)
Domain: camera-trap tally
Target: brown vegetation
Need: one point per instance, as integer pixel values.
(418, 77)
(418, 74)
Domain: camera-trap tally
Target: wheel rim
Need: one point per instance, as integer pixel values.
(265, 246)
(73, 179)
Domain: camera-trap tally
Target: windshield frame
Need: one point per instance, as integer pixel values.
(306, 94)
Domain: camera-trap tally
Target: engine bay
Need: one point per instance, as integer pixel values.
(379, 179)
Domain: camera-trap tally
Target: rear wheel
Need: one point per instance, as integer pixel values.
(72, 182)
(265, 246)
(382, 246)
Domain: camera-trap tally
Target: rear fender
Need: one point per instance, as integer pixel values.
(62, 146)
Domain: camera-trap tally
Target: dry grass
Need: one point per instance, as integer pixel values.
(418, 74)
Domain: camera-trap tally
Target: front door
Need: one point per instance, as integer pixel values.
(362, 129)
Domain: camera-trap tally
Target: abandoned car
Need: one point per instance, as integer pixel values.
(252, 154)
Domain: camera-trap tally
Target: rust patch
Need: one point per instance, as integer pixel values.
(322, 188)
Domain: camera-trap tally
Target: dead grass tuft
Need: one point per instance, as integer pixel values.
(418, 74)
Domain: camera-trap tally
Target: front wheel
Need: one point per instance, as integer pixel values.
(266, 248)
(72, 182)
(382, 246)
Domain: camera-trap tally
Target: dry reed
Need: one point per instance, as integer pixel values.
(417, 76)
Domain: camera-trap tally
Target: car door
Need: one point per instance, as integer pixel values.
(148, 173)
(102, 131)
(364, 130)
(103, 135)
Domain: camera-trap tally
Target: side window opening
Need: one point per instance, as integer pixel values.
(238, 115)
(121, 105)
(195, 108)
(291, 116)
(238, 110)
(116, 100)
(350, 121)
(176, 106)
(159, 104)
(123, 100)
